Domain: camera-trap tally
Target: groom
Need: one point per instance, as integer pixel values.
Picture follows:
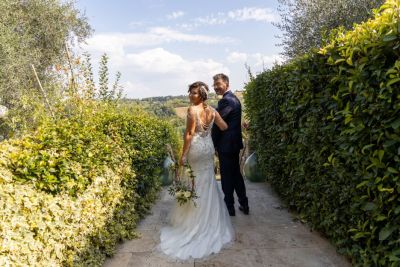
(228, 144)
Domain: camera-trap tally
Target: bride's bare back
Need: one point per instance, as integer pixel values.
(204, 117)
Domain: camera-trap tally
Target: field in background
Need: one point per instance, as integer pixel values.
(181, 112)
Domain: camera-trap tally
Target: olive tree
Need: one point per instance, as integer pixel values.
(35, 32)
(305, 23)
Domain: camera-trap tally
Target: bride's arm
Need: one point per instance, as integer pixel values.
(220, 122)
(189, 132)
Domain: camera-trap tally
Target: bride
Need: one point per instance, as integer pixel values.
(198, 231)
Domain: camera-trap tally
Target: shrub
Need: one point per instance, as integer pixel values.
(326, 129)
(75, 187)
(41, 229)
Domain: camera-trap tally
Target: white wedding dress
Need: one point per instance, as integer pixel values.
(198, 231)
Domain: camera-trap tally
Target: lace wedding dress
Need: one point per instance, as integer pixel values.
(198, 231)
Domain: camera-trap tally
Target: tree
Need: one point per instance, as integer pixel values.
(103, 77)
(104, 91)
(306, 23)
(34, 32)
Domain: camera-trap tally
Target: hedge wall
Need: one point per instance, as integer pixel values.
(326, 129)
(78, 185)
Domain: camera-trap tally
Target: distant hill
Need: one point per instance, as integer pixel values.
(182, 100)
(169, 106)
(166, 98)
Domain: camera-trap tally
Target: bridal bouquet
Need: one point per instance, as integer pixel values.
(183, 186)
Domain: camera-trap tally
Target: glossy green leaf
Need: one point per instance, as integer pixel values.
(386, 232)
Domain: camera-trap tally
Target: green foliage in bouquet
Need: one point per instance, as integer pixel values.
(326, 128)
(183, 187)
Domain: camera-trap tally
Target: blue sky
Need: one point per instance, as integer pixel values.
(161, 46)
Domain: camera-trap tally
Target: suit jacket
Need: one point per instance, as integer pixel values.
(230, 140)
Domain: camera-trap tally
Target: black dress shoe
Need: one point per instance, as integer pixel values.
(244, 209)
(231, 211)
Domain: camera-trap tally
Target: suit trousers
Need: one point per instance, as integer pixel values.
(232, 179)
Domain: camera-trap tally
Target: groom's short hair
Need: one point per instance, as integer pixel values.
(222, 76)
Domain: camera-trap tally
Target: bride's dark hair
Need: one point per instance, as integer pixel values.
(203, 89)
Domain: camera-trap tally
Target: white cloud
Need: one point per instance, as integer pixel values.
(237, 57)
(156, 60)
(187, 26)
(148, 69)
(116, 43)
(155, 72)
(175, 15)
(211, 20)
(134, 89)
(253, 13)
(161, 61)
(266, 61)
(168, 35)
(255, 59)
(245, 14)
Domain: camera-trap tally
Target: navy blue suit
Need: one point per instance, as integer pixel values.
(228, 144)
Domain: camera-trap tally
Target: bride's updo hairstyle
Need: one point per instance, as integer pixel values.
(203, 89)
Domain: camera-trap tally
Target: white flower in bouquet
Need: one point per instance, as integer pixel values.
(183, 186)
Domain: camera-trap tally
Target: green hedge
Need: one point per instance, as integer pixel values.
(78, 185)
(326, 129)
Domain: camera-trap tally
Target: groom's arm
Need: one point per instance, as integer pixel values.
(224, 108)
(215, 134)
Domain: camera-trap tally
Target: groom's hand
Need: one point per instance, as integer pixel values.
(224, 108)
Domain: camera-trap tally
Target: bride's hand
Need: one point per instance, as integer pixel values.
(177, 177)
(182, 161)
